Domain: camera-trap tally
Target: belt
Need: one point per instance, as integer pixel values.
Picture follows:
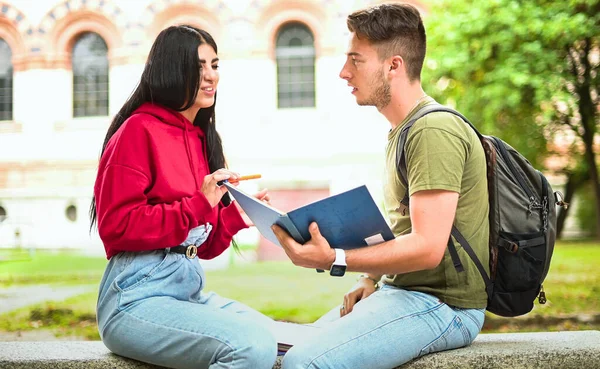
(189, 251)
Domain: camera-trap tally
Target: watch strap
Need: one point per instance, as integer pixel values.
(340, 257)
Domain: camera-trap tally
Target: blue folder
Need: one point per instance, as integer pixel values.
(347, 220)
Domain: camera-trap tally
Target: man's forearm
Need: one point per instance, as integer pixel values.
(404, 254)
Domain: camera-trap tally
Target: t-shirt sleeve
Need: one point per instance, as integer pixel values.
(436, 159)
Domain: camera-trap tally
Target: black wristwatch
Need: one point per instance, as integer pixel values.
(338, 268)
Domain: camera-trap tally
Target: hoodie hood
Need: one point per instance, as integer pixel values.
(168, 116)
(175, 118)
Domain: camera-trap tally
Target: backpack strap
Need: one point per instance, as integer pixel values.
(403, 171)
(489, 286)
(454, 255)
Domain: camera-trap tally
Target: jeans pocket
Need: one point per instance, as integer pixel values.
(140, 270)
(199, 271)
(456, 335)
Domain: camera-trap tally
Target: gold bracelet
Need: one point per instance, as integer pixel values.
(375, 282)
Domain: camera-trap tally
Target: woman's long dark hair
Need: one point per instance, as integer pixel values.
(171, 78)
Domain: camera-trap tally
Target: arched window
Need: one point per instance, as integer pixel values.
(90, 76)
(295, 53)
(6, 82)
(71, 213)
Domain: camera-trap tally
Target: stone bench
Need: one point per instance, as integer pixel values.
(564, 350)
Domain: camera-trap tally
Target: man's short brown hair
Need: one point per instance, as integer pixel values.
(394, 29)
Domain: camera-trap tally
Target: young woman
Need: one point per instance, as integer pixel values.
(158, 207)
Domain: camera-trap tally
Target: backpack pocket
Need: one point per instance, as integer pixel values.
(521, 260)
(512, 303)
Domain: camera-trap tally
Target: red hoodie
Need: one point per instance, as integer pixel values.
(148, 186)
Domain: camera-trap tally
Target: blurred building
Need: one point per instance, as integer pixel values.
(66, 67)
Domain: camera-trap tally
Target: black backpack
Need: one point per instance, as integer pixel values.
(522, 223)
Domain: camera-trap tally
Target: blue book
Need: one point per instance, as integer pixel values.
(347, 220)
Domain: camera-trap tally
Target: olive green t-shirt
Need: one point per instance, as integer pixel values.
(442, 153)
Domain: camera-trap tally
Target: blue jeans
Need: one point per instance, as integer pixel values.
(151, 308)
(386, 330)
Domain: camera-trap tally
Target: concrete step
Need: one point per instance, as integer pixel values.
(544, 350)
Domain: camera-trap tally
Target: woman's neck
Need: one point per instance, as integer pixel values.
(190, 113)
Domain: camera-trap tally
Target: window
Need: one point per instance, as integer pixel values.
(6, 82)
(90, 76)
(71, 213)
(295, 53)
(2, 214)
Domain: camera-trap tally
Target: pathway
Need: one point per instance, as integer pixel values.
(13, 298)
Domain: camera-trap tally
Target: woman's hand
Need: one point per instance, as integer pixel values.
(211, 190)
(262, 195)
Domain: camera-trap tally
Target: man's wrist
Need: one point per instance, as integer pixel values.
(368, 277)
(330, 259)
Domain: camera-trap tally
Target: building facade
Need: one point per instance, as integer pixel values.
(66, 67)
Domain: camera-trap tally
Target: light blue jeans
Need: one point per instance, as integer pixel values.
(151, 308)
(386, 330)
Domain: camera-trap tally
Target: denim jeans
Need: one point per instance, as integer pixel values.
(151, 308)
(386, 330)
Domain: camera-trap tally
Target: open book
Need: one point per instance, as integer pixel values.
(289, 334)
(347, 220)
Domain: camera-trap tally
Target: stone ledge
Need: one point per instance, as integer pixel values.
(543, 350)
(565, 350)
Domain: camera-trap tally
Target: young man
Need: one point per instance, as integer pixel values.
(424, 304)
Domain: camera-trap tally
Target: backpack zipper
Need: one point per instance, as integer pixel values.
(542, 295)
(533, 202)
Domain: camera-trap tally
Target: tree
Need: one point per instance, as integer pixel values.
(526, 71)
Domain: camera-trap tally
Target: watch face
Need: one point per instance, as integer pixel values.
(337, 270)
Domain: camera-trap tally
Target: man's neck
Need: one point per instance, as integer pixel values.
(404, 100)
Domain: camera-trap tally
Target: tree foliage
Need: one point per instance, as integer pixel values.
(524, 70)
(504, 62)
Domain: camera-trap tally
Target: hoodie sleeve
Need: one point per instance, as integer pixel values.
(127, 222)
(228, 224)
(127, 219)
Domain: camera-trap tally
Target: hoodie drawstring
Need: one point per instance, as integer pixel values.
(189, 155)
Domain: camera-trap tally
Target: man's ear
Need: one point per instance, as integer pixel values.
(396, 62)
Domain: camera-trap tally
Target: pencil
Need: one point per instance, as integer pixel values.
(242, 178)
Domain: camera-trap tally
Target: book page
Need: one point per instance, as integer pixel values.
(262, 215)
(289, 334)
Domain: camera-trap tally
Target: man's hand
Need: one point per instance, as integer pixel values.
(316, 253)
(361, 290)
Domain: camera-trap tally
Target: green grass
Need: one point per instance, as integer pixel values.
(72, 317)
(281, 290)
(286, 292)
(47, 267)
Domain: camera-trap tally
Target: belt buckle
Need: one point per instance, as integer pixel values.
(191, 251)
